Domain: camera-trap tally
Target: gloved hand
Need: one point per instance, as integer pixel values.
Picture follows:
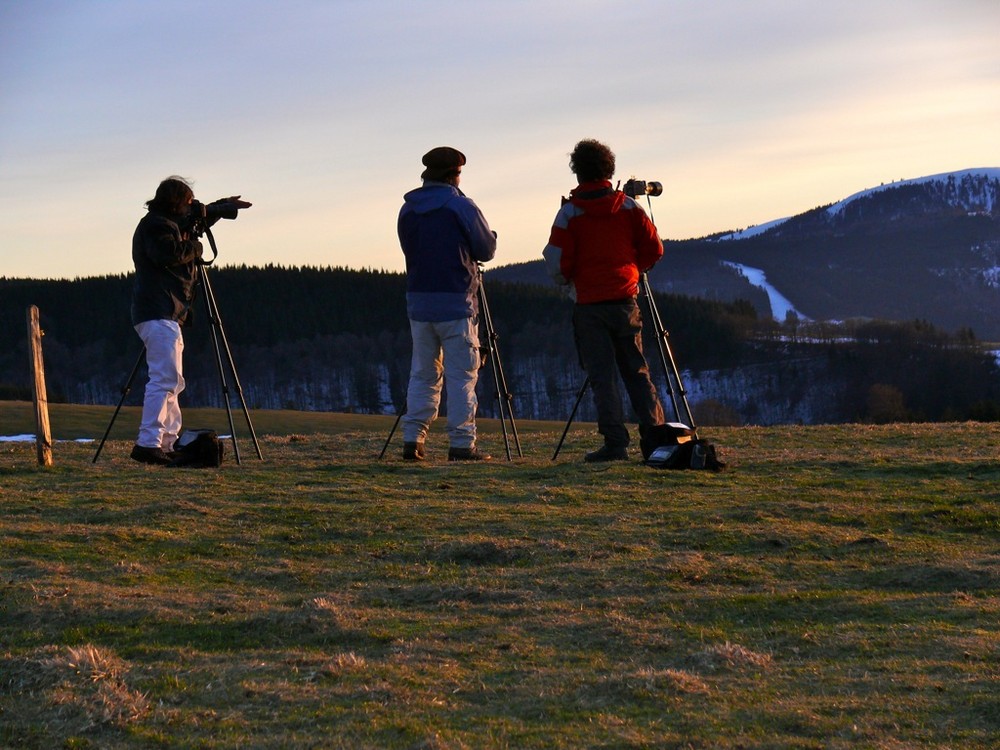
(226, 208)
(236, 201)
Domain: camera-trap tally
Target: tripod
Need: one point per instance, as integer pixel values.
(504, 396)
(221, 344)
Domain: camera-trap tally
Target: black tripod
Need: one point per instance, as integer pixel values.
(220, 344)
(504, 396)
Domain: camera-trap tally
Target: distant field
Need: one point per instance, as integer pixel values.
(835, 587)
(71, 422)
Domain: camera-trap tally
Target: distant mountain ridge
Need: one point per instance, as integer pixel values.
(917, 249)
(974, 191)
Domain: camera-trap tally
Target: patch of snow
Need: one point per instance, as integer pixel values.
(990, 173)
(991, 276)
(31, 439)
(752, 231)
(780, 304)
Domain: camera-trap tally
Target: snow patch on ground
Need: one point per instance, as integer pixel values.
(31, 439)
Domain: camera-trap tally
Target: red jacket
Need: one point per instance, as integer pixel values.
(600, 242)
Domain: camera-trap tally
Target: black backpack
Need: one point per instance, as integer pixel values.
(198, 449)
(676, 446)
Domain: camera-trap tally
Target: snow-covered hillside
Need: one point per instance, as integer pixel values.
(972, 190)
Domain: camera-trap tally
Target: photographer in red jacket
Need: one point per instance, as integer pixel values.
(600, 244)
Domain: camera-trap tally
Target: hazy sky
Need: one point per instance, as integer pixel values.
(319, 111)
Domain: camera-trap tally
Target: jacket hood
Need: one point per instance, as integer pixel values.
(430, 197)
(597, 198)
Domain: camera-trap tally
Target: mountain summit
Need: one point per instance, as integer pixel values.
(974, 192)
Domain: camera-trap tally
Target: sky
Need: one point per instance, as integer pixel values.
(318, 111)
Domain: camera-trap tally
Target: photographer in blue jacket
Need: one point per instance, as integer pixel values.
(444, 237)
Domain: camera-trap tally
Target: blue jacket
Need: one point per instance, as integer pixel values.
(444, 237)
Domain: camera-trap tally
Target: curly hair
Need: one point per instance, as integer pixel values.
(172, 196)
(591, 160)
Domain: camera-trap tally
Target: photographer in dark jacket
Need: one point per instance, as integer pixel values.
(167, 253)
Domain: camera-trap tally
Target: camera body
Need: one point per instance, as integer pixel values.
(201, 216)
(634, 188)
(223, 209)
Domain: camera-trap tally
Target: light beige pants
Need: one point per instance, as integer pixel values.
(443, 353)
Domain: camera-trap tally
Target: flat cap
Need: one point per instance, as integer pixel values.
(442, 162)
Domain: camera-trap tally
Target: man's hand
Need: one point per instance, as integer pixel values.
(236, 201)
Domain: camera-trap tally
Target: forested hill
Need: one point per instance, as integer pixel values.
(314, 338)
(338, 340)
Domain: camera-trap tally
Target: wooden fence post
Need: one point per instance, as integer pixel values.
(43, 435)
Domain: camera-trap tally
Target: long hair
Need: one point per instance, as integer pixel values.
(591, 161)
(172, 196)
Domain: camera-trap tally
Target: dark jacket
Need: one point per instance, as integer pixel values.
(444, 237)
(166, 269)
(600, 242)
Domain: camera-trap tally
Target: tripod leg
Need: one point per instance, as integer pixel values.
(219, 335)
(496, 380)
(392, 432)
(125, 392)
(576, 405)
(504, 397)
(667, 360)
(214, 326)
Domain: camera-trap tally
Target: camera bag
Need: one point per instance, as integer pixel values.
(676, 446)
(198, 449)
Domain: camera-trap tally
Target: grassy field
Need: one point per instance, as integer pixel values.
(835, 587)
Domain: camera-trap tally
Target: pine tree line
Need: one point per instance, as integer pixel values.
(338, 340)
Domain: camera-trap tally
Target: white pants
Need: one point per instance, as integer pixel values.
(161, 413)
(446, 351)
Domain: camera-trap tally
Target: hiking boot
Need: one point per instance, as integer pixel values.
(413, 451)
(607, 453)
(156, 456)
(467, 454)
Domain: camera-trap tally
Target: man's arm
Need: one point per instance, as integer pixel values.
(482, 240)
(560, 253)
(165, 246)
(648, 245)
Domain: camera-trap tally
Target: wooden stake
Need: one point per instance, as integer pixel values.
(43, 435)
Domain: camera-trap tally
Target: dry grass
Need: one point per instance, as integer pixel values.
(837, 587)
(71, 691)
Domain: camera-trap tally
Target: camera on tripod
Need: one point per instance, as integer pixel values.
(634, 188)
(201, 216)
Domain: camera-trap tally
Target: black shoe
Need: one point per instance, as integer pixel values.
(467, 454)
(413, 451)
(156, 456)
(607, 453)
